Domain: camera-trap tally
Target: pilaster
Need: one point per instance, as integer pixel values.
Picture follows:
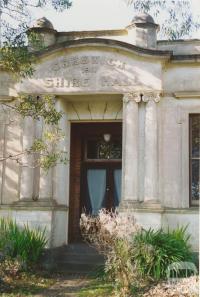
(130, 148)
(46, 179)
(151, 148)
(27, 170)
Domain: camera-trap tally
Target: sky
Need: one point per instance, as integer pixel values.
(96, 15)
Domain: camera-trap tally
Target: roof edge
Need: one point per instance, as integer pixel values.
(108, 32)
(106, 42)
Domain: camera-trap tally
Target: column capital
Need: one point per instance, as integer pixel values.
(151, 96)
(136, 96)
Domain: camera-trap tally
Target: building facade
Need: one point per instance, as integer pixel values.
(131, 118)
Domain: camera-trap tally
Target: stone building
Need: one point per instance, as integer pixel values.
(131, 107)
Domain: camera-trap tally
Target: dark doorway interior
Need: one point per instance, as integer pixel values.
(95, 170)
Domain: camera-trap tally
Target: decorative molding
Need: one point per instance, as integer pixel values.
(136, 206)
(4, 98)
(137, 97)
(186, 94)
(151, 96)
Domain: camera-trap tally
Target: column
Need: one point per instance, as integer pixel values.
(27, 172)
(151, 148)
(130, 148)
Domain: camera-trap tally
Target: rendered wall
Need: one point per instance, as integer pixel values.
(107, 88)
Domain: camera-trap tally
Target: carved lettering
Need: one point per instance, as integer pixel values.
(114, 82)
(66, 83)
(95, 60)
(87, 60)
(85, 83)
(84, 60)
(88, 65)
(105, 81)
(75, 83)
(49, 82)
(88, 70)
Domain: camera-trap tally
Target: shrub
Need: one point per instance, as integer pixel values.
(102, 230)
(111, 234)
(21, 243)
(155, 250)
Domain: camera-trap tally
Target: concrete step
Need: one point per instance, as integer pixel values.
(82, 248)
(74, 258)
(80, 258)
(79, 268)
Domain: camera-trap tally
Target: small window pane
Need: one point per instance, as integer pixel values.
(195, 158)
(195, 180)
(195, 136)
(92, 149)
(99, 149)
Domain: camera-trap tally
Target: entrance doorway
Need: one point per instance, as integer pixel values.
(95, 174)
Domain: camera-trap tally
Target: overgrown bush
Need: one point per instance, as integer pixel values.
(155, 250)
(134, 255)
(23, 244)
(111, 234)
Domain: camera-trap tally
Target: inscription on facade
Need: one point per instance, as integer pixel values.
(105, 81)
(86, 61)
(87, 68)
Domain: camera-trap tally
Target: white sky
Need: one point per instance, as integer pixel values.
(96, 15)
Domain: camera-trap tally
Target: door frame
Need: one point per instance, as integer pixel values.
(79, 131)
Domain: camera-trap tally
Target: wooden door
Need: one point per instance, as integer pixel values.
(95, 171)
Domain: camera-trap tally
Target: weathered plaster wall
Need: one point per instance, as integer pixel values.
(91, 84)
(180, 47)
(181, 77)
(10, 144)
(94, 70)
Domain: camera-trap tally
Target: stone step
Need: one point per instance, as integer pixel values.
(79, 268)
(74, 258)
(80, 258)
(80, 248)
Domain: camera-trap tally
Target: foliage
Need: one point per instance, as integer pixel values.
(155, 250)
(28, 283)
(104, 229)
(25, 245)
(18, 60)
(120, 267)
(111, 234)
(96, 289)
(45, 147)
(132, 253)
(15, 56)
(39, 107)
(175, 17)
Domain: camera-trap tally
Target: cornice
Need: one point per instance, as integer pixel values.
(4, 98)
(186, 94)
(93, 33)
(195, 58)
(110, 43)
